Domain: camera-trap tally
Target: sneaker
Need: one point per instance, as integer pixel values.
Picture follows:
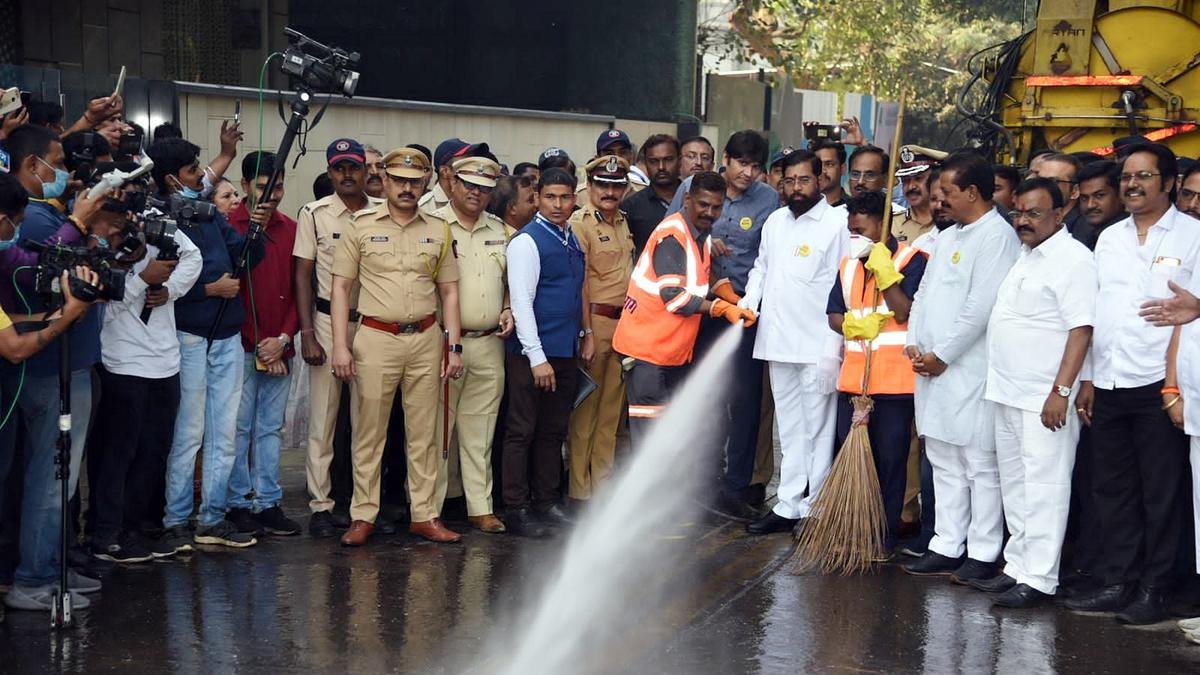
(245, 522)
(122, 550)
(179, 538)
(78, 583)
(223, 534)
(158, 547)
(274, 521)
(40, 598)
(321, 525)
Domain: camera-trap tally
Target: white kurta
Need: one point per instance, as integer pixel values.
(949, 318)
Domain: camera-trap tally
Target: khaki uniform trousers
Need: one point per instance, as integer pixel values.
(324, 398)
(474, 408)
(412, 363)
(592, 440)
(912, 489)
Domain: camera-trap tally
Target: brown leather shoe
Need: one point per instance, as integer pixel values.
(435, 531)
(359, 532)
(487, 523)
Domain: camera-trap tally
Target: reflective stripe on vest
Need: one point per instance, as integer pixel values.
(891, 370)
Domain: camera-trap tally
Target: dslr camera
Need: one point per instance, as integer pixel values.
(322, 69)
(54, 259)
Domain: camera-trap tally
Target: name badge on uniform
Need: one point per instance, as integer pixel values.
(379, 237)
(803, 250)
(1167, 261)
(427, 240)
(956, 257)
(604, 237)
(337, 235)
(494, 242)
(746, 223)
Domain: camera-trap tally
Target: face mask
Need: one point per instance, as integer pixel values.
(860, 246)
(59, 186)
(6, 244)
(187, 192)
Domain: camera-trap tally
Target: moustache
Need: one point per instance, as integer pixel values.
(1024, 228)
(664, 175)
(406, 195)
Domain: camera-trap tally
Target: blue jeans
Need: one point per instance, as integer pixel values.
(41, 505)
(208, 385)
(259, 423)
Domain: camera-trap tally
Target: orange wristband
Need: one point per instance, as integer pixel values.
(1171, 390)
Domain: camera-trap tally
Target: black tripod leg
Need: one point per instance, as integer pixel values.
(61, 611)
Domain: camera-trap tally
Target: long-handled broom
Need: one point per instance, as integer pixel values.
(845, 529)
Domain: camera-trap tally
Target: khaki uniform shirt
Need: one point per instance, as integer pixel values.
(608, 248)
(906, 229)
(318, 229)
(482, 267)
(398, 266)
(434, 199)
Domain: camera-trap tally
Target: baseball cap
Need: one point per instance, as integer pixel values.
(453, 148)
(779, 155)
(609, 137)
(345, 149)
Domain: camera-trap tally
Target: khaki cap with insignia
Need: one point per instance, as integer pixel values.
(914, 159)
(477, 170)
(608, 169)
(406, 163)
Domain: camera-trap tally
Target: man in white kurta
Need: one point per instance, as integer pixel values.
(1037, 339)
(946, 342)
(802, 244)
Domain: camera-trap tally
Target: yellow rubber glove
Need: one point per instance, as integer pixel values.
(865, 328)
(723, 289)
(879, 263)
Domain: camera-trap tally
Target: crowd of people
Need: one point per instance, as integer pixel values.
(1026, 336)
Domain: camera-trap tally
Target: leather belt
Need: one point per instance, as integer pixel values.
(324, 307)
(397, 328)
(609, 311)
(480, 333)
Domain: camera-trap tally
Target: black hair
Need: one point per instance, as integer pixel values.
(556, 176)
(869, 203)
(423, 150)
(659, 139)
(800, 156)
(1007, 173)
(1048, 184)
(1165, 160)
(13, 196)
(748, 145)
(169, 156)
(559, 161)
(708, 181)
(503, 195)
(81, 142)
(522, 167)
(1086, 157)
(166, 130)
(872, 150)
(1109, 170)
(935, 174)
(1193, 169)
(44, 113)
(1065, 159)
(27, 140)
(322, 186)
(827, 144)
(971, 169)
(696, 139)
(253, 166)
(1039, 153)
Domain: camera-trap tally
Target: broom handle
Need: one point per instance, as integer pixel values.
(887, 221)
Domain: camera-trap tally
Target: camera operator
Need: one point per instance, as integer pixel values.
(210, 376)
(138, 403)
(37, 158)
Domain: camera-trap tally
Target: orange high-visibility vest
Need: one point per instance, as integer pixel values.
(891, 370)
(649, 329)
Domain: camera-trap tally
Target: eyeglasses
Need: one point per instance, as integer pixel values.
(865, 176)
(1032, 214)
(694, 156)
(802, 180)
(1141, 176)
(482, 189)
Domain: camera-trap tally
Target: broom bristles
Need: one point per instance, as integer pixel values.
(845, 529)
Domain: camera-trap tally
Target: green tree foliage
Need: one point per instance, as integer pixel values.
(920, 47)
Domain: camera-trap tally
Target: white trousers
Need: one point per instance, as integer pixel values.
(1195, 459)
(966, 488)
(1035, 482)
(806, 412)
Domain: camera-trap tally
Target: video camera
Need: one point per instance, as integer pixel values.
(54, 259)
(321, 68)
(163, 218)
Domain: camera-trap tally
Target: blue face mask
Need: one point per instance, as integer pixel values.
(6, 244)
(59, 186)
(189, 193)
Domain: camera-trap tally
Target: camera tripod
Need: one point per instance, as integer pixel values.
(60, 612)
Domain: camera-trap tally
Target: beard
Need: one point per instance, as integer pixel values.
(799, 204)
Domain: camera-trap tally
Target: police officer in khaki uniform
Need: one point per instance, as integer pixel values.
(474, 400)
(607, 244)
(915, 163)
(404, 261)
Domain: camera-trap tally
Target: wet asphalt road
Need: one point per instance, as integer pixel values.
(403, 605)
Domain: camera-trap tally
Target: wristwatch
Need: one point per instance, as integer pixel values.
(1062, 391)
(285, 338)
(585, 332)
(455, 349)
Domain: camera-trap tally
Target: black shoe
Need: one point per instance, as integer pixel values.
(1105, 599)
(555, 516)
(179, 538)
(123, 550)
(385, 525)
(734, 507)
(223, 533)
(273, 520)
(932, 564)
(157, 546)
(321, 525)
(1078, 583)
(771, 523)
(1001, 583)
(1020, 596)
(523, 523)
(917, 546)
(245, 522)
(1148, 607)
(754, 495)
(340, 517)
(973, 570)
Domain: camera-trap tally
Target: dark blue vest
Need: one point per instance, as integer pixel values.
(559, 298)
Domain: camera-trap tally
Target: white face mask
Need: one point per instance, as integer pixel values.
(860, 246)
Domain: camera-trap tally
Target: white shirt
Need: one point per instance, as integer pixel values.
(1050, 290)
(927, 242)
(949, 318)
(150, 350)
(797, 263)
(1127, 351)
(524, 272)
